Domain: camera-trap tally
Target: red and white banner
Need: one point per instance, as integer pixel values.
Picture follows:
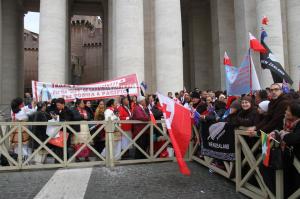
(42, 91)
(178, 122)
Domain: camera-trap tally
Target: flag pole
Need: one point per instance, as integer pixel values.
(250, 65)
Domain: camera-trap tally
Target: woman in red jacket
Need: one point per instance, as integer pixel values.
(125, 114)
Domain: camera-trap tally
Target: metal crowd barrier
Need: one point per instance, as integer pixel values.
(244, 171)
(15, 155)
(251, 156)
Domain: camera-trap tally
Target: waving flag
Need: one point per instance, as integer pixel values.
(266, 147)
(256, 45)
(230, 71)
(269, 61)
(285, 87)
(143, 88)
(178, 122)
(196, 117)
(238, 78)
(242, 80)
(227, 60)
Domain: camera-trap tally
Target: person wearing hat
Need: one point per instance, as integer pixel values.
(141, 113)
(246, 117)
(198, 105)
(231, 118)
(263, 107)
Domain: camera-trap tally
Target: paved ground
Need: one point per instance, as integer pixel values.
(160, 180)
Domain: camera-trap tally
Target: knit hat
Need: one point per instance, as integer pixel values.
(236, 105)
(247, 98)
(140, 98)
(264, 105)
(195, 95)
(221, 96)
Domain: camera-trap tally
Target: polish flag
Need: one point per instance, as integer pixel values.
(227, 60)
(256, 45)
(178, 122)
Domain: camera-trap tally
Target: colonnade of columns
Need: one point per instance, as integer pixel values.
(185, 48)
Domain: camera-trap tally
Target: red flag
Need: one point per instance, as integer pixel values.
(227, 60)
(179, 126)
(256, 45)
(265, 20)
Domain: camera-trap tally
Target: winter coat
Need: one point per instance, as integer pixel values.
(275, 115)
(140, 114)
(293, 139)
(246, 118)
(40, 130)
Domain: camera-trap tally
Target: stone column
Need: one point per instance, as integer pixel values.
(223, 39)
(105, 40)
(1, 71)
(168, 41)
(293, 13)
(127, 37)
(187, 77)
(200, 45)
(53, 41)
(21, 70)
(272, 9)
(10, 66)
(150, 74)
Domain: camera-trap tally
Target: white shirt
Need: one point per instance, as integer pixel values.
(23, 114)
(110, 114)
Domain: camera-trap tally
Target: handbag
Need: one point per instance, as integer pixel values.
(276, 158)
(85, 152)
(58, 141)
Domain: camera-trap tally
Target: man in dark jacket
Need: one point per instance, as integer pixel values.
(276, 111)
(40, 130)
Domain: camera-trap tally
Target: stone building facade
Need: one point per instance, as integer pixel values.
(86, 60)
(168, 43)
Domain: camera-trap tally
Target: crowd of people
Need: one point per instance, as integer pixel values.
(271, 111)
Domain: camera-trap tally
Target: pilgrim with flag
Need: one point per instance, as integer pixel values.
(179, 127)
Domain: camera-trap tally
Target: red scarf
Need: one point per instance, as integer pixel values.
(82, 112)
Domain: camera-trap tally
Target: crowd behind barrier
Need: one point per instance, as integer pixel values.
(109, 132)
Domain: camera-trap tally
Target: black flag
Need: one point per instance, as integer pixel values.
(269, 61)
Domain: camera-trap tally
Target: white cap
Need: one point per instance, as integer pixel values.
(264, 105)
(140, 98)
